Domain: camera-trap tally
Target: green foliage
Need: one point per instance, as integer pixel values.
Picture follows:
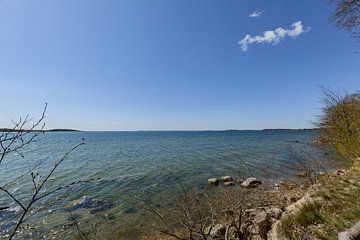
(293, 226)
(340, 123)
(309, 215)
(337, 208)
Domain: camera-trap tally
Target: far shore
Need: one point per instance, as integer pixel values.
(50, 130)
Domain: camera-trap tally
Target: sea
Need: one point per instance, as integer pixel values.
(113, 173)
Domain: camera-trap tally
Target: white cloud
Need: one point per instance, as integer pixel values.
(273, 37)
(256, 13)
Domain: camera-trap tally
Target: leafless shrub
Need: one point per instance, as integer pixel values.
(24, 132)
(347, 15)
(21, 134)
(194, 213)
(306, 166)
(90, 231)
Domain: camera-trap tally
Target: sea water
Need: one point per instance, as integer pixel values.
(116, 169)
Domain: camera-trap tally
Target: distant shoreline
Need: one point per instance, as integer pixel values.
(290, 129)
(50, 130)
(224, 130)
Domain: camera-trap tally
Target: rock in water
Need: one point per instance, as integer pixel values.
(218, 231)
(251, 183)
(213, 181)
(227, 179)
(83, 202)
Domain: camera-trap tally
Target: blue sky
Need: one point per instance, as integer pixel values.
(170, 64)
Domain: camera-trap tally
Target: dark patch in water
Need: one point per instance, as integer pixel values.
(9, 212)
(74, 217)
(103, 207)
(7, 225)
(88, 203)
(131, 210)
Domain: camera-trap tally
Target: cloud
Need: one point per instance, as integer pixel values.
(256, 13)
(275, 36)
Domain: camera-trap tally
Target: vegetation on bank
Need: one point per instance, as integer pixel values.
(340, 124)
(336, 208)
(336, 198)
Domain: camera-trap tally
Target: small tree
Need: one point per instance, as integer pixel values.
(340, 123)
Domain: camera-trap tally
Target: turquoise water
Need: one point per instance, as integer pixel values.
(127, 164)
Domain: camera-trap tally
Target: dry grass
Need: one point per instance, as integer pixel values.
(338, 210)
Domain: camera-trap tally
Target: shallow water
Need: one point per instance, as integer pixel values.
(125, 165)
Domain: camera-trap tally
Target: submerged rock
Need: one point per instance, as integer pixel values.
(251, 183)
(89, 203)
(102, 207)
(131, 210)
(83, 202)
(213, 181)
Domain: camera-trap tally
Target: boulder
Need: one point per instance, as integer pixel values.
(227, 179)
(218, 231)
(251, 183)
(213, 181)
(229, 184)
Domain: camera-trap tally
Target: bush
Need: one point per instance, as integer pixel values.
(339, 123)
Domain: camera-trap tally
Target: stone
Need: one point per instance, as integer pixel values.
(218, 231)
(251, 183)
(207, 230)
(340, 172)
(302, 174)
(240, 181)
(275, 212)
(227, 179)
(263, 223)
(229, 184)
(213, 181)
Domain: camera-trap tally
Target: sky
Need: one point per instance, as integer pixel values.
(171, 64)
